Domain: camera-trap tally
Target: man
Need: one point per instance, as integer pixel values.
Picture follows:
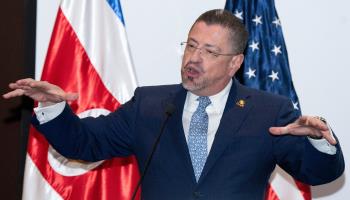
(222, 141)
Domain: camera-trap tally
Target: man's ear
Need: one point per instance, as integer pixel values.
(236, 63)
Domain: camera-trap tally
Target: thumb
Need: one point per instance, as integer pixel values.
(278, 130)
(71, 96)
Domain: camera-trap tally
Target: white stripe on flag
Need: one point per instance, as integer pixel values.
(35, 186)
(284, 186)
(103, 36)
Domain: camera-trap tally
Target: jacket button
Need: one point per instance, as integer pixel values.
(197, 195)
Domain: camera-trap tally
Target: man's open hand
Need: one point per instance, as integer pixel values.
(41, 91)
(306, 125)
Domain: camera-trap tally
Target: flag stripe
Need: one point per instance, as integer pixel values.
(103, 37)
(304, 189)
(35, 187)
(284, 185)
(115, 5)
(271, 194)
(66, 56)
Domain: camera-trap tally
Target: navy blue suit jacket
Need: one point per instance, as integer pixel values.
(239, 164)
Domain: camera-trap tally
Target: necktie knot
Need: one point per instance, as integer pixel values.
(204, 102)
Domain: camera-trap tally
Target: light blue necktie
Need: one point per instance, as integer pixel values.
(197, 137)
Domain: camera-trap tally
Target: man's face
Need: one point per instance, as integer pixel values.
(203, 73)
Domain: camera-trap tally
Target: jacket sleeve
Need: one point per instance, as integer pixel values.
(297, 156)
(92, 139)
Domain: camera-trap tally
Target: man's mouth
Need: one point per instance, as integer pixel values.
(192, 72)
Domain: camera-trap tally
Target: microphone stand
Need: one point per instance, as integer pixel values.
(169, 110)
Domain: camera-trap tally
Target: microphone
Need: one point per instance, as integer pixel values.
(169, 111)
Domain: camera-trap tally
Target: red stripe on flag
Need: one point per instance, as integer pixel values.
(270, 193)
(68, 66)
(304, 189)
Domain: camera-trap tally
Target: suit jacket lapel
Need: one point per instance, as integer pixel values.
(232, 118)
(177, 134)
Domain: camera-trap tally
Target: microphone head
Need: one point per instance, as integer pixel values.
(170, 109)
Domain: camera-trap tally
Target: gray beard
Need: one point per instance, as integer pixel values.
(191, 86)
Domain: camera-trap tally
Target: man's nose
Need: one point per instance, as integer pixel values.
(196, 55)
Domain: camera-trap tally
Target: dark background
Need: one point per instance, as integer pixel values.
(17, 54)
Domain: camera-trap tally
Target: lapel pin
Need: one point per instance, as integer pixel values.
(240, 103)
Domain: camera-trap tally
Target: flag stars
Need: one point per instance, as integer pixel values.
(257, 20)
(277, 22)
(276, 50)
(251, 73)
(295, 105)
(254, 46)
(239, 14)
(274, 76)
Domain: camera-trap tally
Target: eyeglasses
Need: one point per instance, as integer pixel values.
(205, 52)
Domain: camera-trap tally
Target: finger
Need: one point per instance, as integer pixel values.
(320, 124)
(17, 86)
(31, 83)
(13, 85)
(313, 122)
(71, 96)
(329, 137)
(306, 130)
(314, 132)
(25, 81)
(44, 85)
(284, 129)
(279, 130)
(15, 93)
(292, 129)
(303, 120)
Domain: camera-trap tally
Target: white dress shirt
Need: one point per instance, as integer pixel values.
(214, 110)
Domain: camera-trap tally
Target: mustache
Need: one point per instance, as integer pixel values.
(193, 67)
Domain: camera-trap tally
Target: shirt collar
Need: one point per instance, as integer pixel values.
(218, 101)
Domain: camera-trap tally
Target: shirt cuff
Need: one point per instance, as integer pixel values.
(323, 145)
(48, 113)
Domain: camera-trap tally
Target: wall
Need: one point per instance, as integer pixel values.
(317, 37)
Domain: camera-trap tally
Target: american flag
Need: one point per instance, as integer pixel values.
(266, 67)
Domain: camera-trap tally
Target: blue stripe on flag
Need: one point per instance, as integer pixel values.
(115, 5)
